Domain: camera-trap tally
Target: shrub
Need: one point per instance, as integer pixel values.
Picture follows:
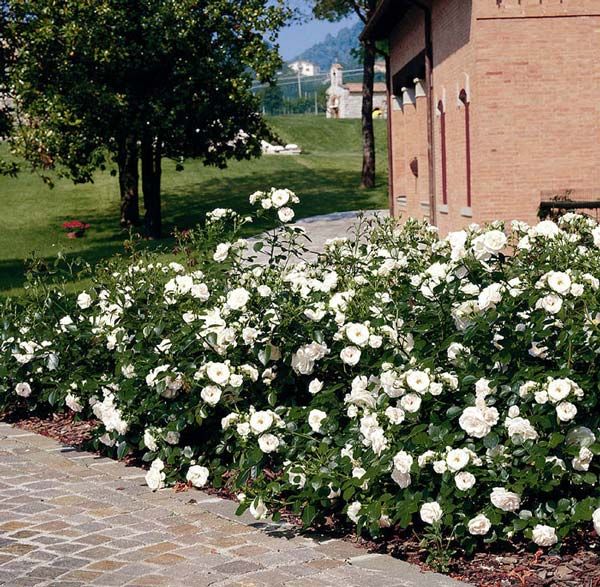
(400, 379)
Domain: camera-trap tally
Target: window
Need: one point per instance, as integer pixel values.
(462, 96)
(443, 147)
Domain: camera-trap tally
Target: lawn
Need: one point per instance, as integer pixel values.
(325, 176)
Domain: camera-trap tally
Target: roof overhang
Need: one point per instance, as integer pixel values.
(386, 17)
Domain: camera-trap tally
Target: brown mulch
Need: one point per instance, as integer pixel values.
(62, 427)
(517, 565)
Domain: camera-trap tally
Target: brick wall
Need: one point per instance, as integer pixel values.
(531, 69)
(538, 106)
(454, 69)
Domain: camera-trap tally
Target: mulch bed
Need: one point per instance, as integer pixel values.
(578, 564)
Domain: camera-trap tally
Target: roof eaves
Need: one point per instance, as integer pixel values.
(385, 17)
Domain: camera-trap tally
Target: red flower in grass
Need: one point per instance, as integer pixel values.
(75, 225)
(75, 228)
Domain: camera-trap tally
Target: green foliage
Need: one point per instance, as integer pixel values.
(400, 380)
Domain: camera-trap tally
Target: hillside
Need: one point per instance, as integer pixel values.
(335, 48)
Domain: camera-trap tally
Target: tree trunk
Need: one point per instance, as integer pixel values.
(368, 167)
(151, 174)
(127, 161)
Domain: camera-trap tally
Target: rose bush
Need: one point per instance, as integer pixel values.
(400, 379)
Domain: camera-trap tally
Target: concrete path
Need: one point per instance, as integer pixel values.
(322, 228)
(75, 519)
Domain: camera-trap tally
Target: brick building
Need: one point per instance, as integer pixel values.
(495, 106)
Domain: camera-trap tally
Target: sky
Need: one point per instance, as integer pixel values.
(298, 37)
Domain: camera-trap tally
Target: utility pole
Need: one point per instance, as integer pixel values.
(299, 84)
(316, 105)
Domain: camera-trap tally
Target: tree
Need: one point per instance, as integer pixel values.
(336, 10)
(139, 80)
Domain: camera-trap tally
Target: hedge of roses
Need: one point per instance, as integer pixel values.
(399, 380)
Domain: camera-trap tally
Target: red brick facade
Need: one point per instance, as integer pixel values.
(523, 75)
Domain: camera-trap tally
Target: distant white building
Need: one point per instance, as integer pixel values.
(305, 68)
(345, 100)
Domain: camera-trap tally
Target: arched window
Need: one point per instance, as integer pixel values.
(443, 154)
(462, 96)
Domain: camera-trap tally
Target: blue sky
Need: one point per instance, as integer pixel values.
(298, 37)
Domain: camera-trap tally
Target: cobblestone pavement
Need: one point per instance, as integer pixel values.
(71, 518)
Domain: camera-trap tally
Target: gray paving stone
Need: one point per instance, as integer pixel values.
(74, 519)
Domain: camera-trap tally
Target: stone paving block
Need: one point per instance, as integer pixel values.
(71, 518)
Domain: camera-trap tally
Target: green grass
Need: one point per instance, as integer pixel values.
(325, 176)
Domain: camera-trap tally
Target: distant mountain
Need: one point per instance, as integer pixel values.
(336, 48)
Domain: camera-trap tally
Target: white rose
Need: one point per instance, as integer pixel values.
(457, 459)
(357, 334)
(490, 296)
(431, 512)
(200, 291)
(375, 341)
(559, 389)
(546, 228)
(315, 418)
(221, 252)
(268, 443)
(505, 500)
(23, 389)
(285, 214)
(394, 415)
(551, 303)
(583, 460)
(258, 509)
(150, 441)
(411, 402)
(280, 198)
(566, 411)
(417, 380)
(315, 386)
(155, 478)
(84, 300)
(403, 462)
(464, 480)
(479, 525)
(73, 403)
(243, 429)
(237, 298)
(353, 511)
(172, 437)
(197, 475)
(494, 241)
(402, 479)
(350, 355)
(455, 351)
(474, 423)
(261, 421)
(211, 394)
(559, 281)
(544, 535)
(218, 373)
(521, 428)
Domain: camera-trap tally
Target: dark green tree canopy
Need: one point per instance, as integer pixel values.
(137, 79)
(86, 71)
